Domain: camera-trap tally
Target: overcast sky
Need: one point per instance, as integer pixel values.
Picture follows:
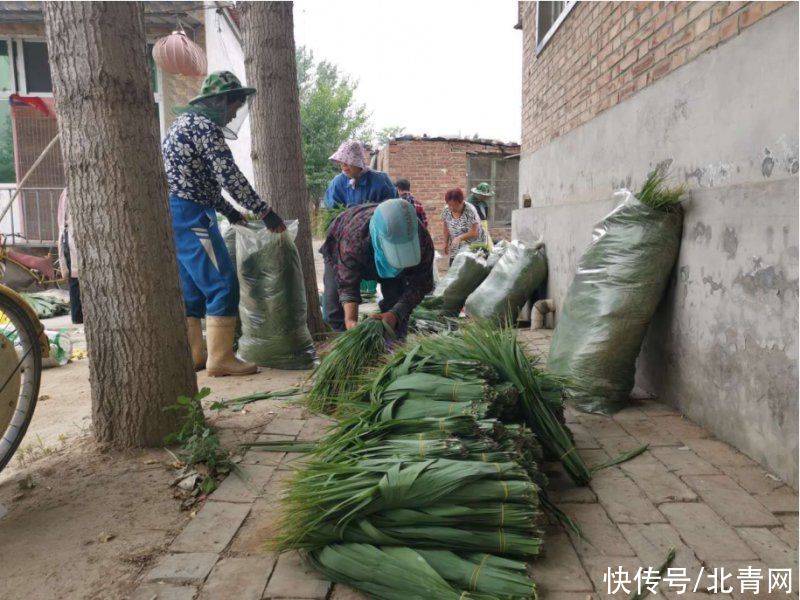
(436, 67)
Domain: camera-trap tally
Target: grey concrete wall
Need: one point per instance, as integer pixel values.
(723, 346)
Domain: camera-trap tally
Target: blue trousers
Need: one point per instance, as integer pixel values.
(208, 275)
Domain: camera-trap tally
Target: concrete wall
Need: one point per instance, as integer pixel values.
(723, 346)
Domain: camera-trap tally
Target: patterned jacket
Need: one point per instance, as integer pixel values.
(199, 164)
(348, 248)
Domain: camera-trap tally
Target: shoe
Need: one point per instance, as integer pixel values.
(221, 359)
(199, 354)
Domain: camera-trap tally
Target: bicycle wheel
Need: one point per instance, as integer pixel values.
(20, 375)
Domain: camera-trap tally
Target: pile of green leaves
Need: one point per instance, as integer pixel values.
(199, 445)
(46, 305)
(541, 393)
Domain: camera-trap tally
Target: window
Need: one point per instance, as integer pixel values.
(503, 175)
(549, 15)
(6, 137)
(37, 68)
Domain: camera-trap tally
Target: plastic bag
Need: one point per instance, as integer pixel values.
(518, 272)
(466, 273)
(272, 303)
(60, 344)
(618, 284)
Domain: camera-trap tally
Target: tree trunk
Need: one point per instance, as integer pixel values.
(139, 357)
(270, 66)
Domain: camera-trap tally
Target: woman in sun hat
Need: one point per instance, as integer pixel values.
(199, 164)
(357, 183)
(479, 198)
(384, 242)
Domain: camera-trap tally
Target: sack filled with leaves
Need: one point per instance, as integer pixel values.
(272, 304)
(518, 272)
(618, 284)
(466, 273)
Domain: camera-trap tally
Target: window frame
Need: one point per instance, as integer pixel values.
(540, 44)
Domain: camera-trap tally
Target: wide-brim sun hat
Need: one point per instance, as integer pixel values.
(219, 83)
(351, 153)
(397, 225)
(483, 189)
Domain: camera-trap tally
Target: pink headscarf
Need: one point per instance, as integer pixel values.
(351, 153)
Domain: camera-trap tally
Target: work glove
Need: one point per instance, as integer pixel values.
(235, 217)
(274, 222)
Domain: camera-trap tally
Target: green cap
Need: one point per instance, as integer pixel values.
(483, 189)
(221, 82)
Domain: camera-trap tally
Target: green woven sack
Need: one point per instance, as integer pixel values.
(519, 271)
(272, 303)
(466, 273)
(619, 282)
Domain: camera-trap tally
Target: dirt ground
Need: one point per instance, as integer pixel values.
(78, 522)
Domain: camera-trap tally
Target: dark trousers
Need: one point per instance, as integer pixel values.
(391, 289)
(75, 306)
(334, 312)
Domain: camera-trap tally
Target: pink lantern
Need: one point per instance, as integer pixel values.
(179, 55)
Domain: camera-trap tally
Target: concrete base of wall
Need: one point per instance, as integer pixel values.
(723, 346)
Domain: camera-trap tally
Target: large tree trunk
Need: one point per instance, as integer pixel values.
(269, 62)
(135, 328)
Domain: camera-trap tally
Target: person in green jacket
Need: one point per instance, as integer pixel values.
(479, 198)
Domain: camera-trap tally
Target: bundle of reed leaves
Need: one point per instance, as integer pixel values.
(323, 219)
(392, 573)
(500, 349)
(341, 370)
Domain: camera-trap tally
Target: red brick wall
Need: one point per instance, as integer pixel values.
(433, 167)
(604, 52)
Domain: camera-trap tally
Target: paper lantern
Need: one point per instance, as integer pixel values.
(179, 55)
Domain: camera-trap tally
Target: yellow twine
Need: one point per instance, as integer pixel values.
(473, 580)
(502, 514)
(421, 447)
(505, 489)
(502, 541)
(455, 391)
(567, 452)
(484, 457)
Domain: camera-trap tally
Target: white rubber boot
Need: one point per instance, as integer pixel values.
(221, 359)
(199, 354)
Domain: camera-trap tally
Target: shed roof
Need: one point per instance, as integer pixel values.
(162, 14)
(481, 141)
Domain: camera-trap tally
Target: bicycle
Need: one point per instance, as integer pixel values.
(43, 271)
(23, 345)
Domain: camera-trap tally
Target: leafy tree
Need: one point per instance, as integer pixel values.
(389, 133)
(329, 115)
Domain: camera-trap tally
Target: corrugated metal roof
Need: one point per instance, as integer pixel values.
(162, 14)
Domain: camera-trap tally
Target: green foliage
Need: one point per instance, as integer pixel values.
(656, 194)
(329, 115)
(199, 445)
(389, 133)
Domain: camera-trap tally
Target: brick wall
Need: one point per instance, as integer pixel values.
(604, 52)
(433, 167)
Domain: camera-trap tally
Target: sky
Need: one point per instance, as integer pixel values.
(441, 67)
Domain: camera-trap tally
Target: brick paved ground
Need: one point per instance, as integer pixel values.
(715, 506)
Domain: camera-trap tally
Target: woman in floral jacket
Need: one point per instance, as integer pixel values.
(199, 164)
